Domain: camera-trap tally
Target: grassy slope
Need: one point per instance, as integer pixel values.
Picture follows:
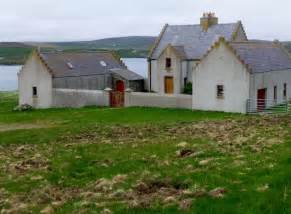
(14, 55)
(80, 146)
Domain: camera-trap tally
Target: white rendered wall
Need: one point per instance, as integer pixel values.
(221, 67)
(158, 100)
(35, 74)
(79, 98)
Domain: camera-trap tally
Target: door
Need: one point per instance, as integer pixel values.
(120, 86)
(169, 85)
(261, 100)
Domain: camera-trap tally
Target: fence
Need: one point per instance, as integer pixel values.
(157, 100)
(267, 106)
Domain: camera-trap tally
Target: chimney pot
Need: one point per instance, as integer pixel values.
(209, 19)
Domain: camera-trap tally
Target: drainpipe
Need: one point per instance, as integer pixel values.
(150, 74)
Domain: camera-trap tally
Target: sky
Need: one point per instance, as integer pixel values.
(81, 20)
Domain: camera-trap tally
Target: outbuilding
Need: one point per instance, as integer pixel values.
(44, 72)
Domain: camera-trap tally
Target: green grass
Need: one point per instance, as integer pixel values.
(57, 158)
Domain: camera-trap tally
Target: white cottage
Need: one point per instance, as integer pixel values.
(228, 72)
(180, 47)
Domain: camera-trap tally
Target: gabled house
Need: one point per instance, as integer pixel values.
(242, 77)
(44, 72)
(179, 48)
(227, 71)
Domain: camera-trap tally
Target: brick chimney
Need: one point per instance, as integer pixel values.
(208, 20)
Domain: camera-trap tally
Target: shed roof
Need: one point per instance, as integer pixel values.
(262, 56)
(127, 74)
(193, 38)
(82, 64)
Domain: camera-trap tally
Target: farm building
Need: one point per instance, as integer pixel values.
(45, 72)
(227, 71)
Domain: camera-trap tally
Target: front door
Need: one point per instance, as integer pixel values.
(169, 85)
(261, 100)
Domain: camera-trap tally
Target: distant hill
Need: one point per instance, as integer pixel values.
(288, 45)
(127, 47)
(131, 42)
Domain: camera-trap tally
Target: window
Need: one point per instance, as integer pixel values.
(102, 63)
(70, 65)
(285, 91)
(168, 63)
(34, 91)
(275, 93)
(220, 91)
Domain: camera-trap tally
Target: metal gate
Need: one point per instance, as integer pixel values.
(267, 106)
(116, 99)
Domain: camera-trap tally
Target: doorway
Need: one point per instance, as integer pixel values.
(169, 85)
(261, 100)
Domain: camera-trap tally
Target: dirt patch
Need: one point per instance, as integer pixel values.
(16, 126)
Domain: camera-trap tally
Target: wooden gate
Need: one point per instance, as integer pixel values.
(116, 99)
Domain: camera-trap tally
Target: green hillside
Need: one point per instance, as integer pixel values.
(14, 53)
(126, 47)
(133, 42)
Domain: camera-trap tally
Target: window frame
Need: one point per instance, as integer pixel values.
(34, 92)
(285, 89)
(275, 91)
(220, 91)
(168, 63)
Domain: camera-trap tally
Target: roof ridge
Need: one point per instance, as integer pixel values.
(229, 23)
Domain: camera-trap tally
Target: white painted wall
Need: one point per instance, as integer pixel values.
(175, 71)
(268, 80)
(221, 67)
(79, 98)
(35, 74)
(158, 100)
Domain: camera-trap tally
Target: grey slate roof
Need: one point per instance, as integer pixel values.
(193, 38)
(127, 74)
(262, 56)
(83, 64)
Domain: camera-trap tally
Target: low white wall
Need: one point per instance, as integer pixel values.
(79, 98)
(157, 100)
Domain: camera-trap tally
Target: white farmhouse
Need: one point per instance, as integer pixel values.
(228, 72)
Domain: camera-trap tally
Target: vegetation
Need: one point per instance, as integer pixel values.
(126, 47)
(188, 88)
(142, 160)
(288, 45)
(14, 55)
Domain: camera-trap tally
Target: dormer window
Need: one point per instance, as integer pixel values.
(70, 65)
(168, 63)
(102, 63)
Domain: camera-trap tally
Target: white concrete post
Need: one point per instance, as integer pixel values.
(127, 96)
(106, 95)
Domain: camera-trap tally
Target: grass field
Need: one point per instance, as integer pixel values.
(142, 160)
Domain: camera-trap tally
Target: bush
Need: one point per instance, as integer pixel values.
(188, 88)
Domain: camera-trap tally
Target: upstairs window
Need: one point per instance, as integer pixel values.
(285, 91)
(34, 91)
(168, 63)
(220, 91)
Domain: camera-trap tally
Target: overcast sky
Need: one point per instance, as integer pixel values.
(72, 20)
